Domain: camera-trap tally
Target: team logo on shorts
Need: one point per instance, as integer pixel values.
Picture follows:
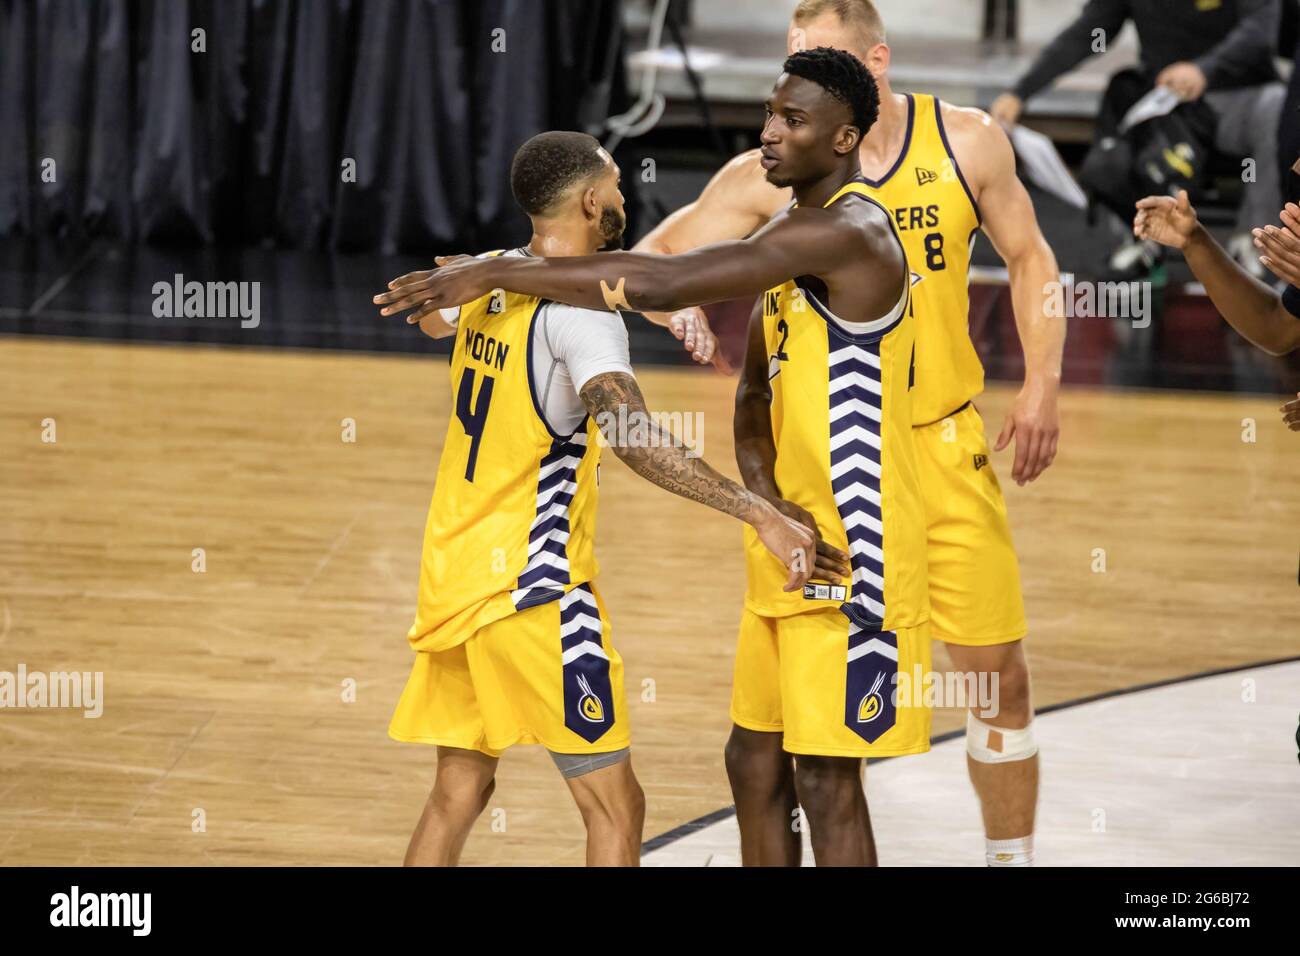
(870, 705)
(590, 706)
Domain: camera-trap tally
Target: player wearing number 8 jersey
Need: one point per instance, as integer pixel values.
(943, 172)
(512, 639)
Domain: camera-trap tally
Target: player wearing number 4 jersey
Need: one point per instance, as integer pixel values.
(512, 639)
(943, 173)
(834, 270)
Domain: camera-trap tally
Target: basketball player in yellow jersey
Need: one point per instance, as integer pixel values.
(944, 172)
(512, 638)
(834, 276)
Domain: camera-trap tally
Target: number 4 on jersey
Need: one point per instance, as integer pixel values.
(473, 418)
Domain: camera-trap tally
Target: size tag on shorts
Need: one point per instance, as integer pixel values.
(825, 592)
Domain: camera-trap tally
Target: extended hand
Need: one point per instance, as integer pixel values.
(1033, 422)
(1291, 414)
(787, 539)
(457, 280)
(830, 563)
(691, 328)
(1281, 246)
(1166, 220)
(1006, 109)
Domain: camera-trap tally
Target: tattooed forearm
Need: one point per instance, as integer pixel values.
(654, 453)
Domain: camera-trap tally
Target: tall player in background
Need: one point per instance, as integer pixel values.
(512, 638)
(944, 172)
(836, 325)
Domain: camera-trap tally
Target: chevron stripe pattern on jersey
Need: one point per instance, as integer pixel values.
(546, 574)
(855, 444)
(855, 417)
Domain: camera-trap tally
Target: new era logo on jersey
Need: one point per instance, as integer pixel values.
(925, 176)
(981, 461)
(497, 304)
(825, 592)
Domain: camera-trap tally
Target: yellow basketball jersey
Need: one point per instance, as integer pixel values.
(937, 218)
(842, 424)
(513, 516)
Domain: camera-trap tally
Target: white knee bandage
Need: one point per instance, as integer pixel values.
(989, 744)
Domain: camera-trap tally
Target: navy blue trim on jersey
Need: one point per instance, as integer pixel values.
(532, 385)
(902, 155)
(539, 596)
(952, 414)
(943, 135)
(833, 321)
(833, 324)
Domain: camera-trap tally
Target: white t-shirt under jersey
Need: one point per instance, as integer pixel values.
(570, 347)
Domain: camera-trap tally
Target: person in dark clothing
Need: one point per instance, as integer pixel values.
(1221, 50)
(1288, 134)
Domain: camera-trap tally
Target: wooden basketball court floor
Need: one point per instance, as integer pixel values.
(245, 707)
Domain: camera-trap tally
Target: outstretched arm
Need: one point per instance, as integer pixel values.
(1248, 305)
(661, 459)
(804, 241)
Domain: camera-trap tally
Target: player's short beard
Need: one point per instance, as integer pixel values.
(780, 182)
(612, 224)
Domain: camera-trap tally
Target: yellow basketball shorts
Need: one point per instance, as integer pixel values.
(829, 687)
(547, 675)
(975, 597)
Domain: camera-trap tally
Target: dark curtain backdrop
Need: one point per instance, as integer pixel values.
(245, 142)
